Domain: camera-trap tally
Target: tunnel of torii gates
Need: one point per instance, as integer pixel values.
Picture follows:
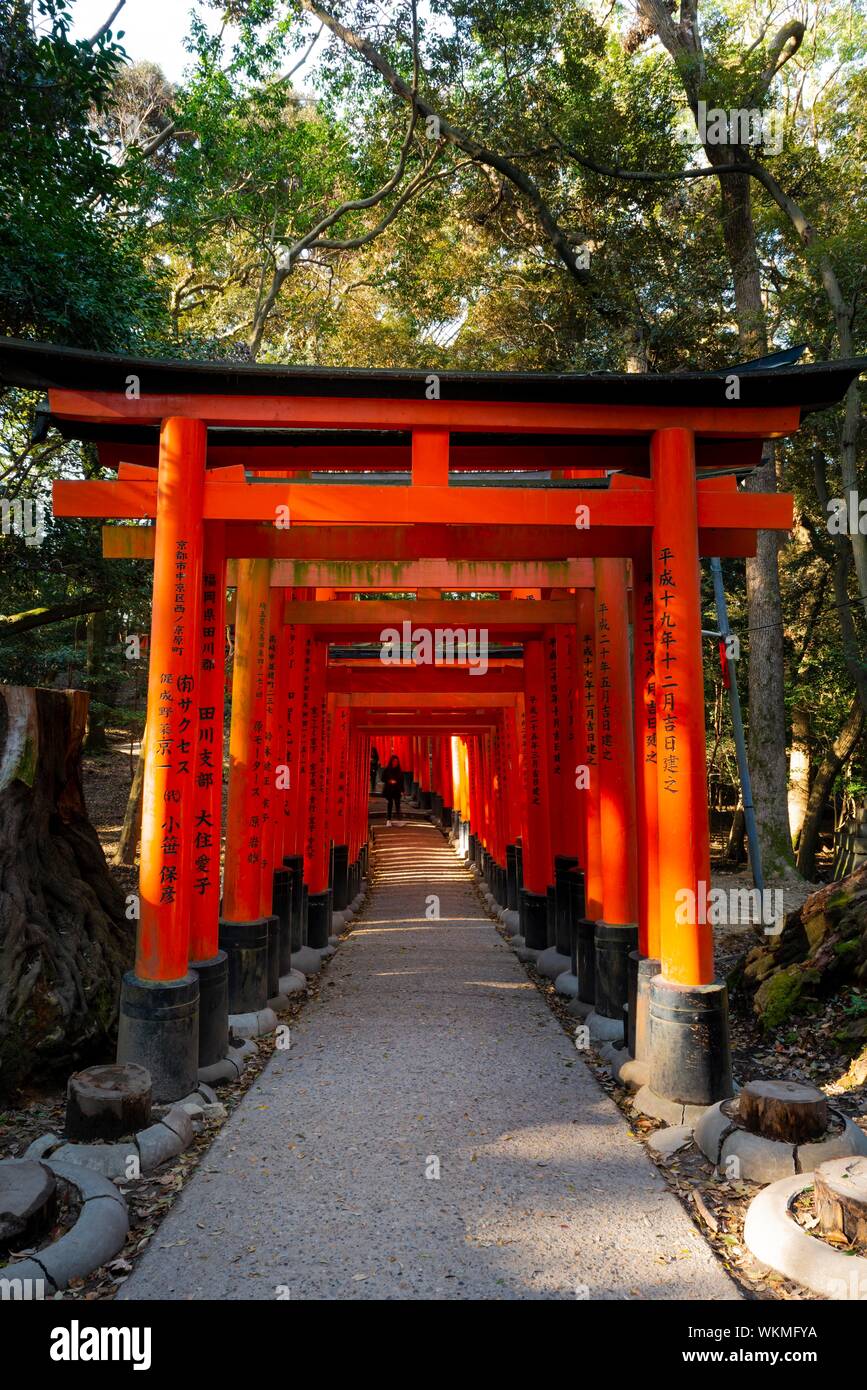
(570, 763)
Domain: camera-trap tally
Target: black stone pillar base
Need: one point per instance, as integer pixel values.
(246, 945)
(577, 909)
(534, 920)
(563, 866)
(519, 863)
(158, 1029)
(613, 945)
(642, 970)
(551, 915)
(585, 959)
(425, 800)
(414, 792)
(340, 856)
(407, 783)
(213, 1008)
(283, 909)
(273, 956)
(512, 878)
(318, 920)
(295, 864)
(500, 891)
(690, 1048)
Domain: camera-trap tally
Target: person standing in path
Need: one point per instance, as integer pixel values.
(392, 781)
(374, 767)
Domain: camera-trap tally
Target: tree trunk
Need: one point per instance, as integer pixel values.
(831, 765)
(97, 640)
(767, 705)
(124, 854)
(735, 852)
(64, 938)
(799, 770)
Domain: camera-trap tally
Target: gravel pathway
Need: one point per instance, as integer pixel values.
(430, 1133)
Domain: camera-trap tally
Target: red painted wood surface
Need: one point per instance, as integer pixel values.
(684, 861)
(173, 681)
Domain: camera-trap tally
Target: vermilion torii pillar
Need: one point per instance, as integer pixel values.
(159, 1002)
(290, 858)
(244, 929)
(690, 1061)
(206, 958)
(316, 847)
(338, 798)
(617, 929)
(537, 858)
(588, 778)
(644, 963)
(560, 648)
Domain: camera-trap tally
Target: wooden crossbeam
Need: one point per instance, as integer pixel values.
(458, 722)
(298, 503)
(408, 703)
(727, 420)
(409, 576)
(581, 452)
(427, 613)
(399, 544)
(377, 683)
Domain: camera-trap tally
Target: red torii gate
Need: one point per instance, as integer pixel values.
(633, 466)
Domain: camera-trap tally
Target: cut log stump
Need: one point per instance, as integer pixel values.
(840, 1199)
(787, 1110)
(108, 1102)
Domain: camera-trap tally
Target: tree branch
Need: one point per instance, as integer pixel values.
(356, 43)
(783, 46)
(13, 623)
(104, 28)
(287, 76)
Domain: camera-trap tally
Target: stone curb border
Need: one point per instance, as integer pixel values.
(774, 1237)
(671, 1112)
(765, 1160)
(253, 1025)
(97, 1236)
(148, 1149)
(551, 963)
(231, 1067)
